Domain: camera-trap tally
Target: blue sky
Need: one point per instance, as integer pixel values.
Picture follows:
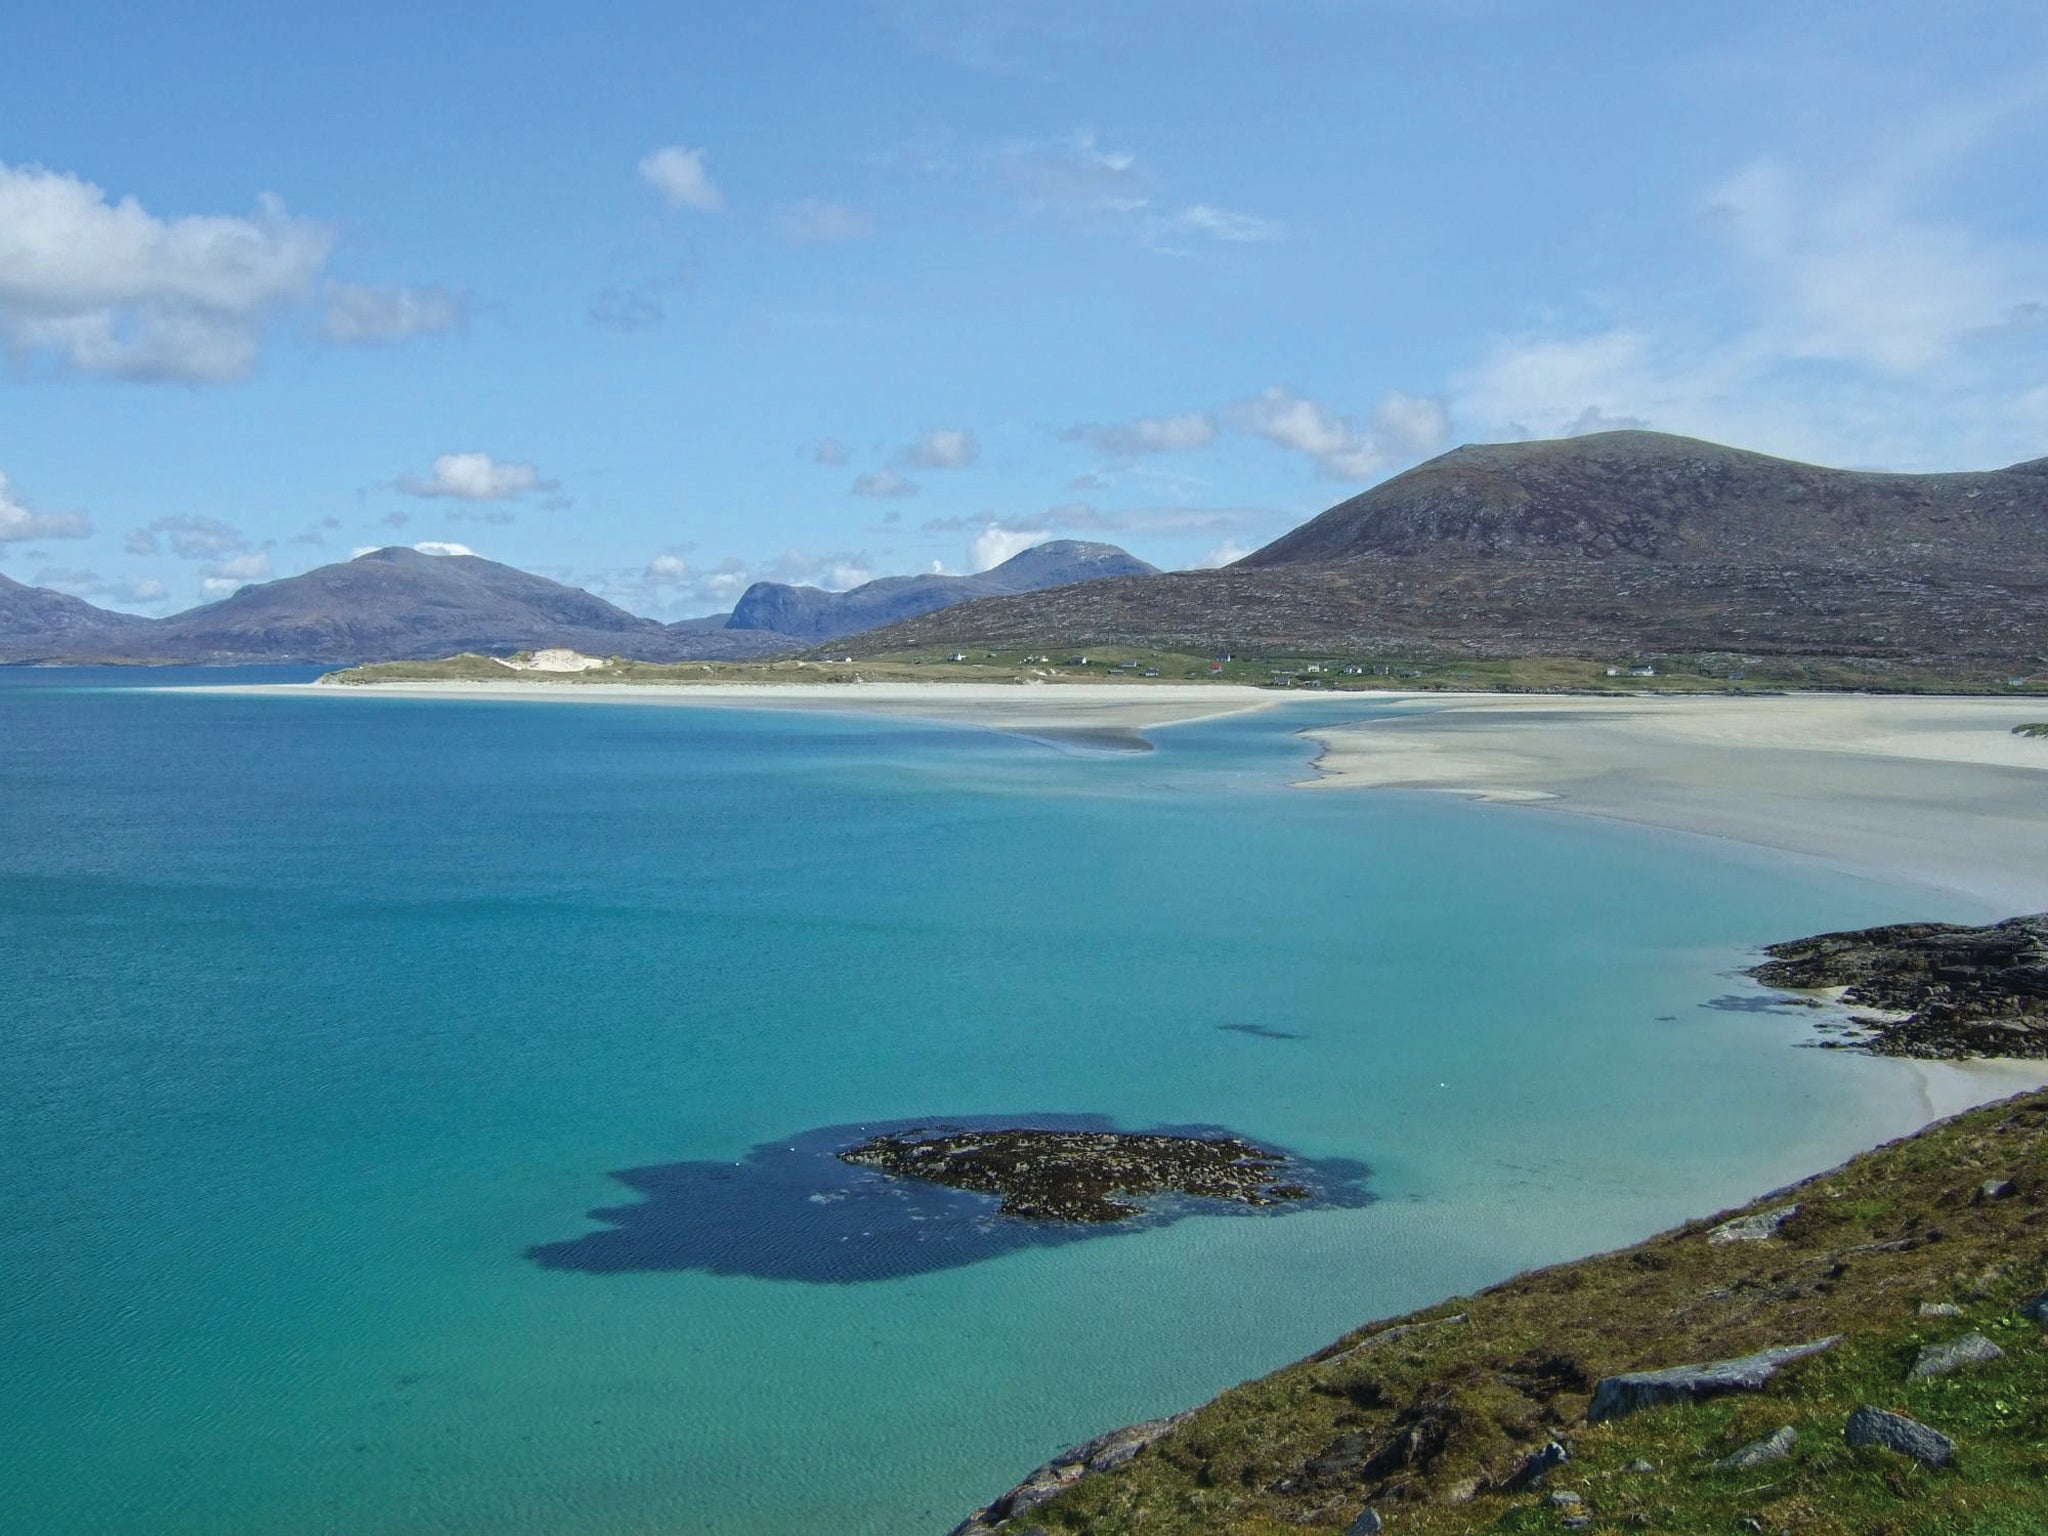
(664, 299)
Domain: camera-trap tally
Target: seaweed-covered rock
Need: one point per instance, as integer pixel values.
(1869, 1426)
(1077, 1175)
(1625, 1394)
(1962, 991)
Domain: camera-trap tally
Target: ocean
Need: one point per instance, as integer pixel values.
(325, 1025)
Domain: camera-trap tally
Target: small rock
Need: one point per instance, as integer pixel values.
(1753, 1229)
(1940, 1309)
(1564, 1499)
(1367, 1524)
(1464, 1492)
(1942, 1359)
(1618, 1395)
(1998, 1189)
(1640, 1465)
(1576, 1522)
(1535, 1467)
(1775, 1446)
(2036, 1310)
(1870, 1426)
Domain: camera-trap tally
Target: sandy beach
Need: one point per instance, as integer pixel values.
(1930, 791)
(1109, 716)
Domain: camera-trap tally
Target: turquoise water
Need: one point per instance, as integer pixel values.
(316, 1015)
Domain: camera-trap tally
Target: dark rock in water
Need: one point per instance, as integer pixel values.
(1101, 1454)
(1775, 1446)
(1958, 1354)
(1049, 1175)
(1963, 991)
(1260, 1031)
(1869, 1426)
(792, 1209)
(1626, 1394)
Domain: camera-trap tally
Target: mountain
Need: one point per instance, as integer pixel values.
(388, 605)
(816, 615)
(1616, 543)
(39, 611)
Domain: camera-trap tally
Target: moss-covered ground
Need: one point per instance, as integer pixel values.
(1422, 1424)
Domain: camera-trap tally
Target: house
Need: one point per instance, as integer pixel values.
(1642, 671)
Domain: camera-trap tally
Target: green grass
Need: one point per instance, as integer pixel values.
(2039, 729)
(1871, 1242)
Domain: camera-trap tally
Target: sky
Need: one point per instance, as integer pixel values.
(665, 299)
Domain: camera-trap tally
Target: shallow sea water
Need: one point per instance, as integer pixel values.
(319, 1017)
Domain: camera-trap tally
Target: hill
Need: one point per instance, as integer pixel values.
(814, 614)
(1620, 543)
(1918, 1269)
(26, 610)
(389, 604)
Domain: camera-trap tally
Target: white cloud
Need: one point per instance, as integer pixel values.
(667, 570)
(678, 174)
(1229, 552)
(1148, 434)
(105, 287)
(829, 450)
(438, 547)
(140, 592)
(995, 544)
(18, 524)
(1076, 181)
(189, 538)
(820, 221)
(360, 314)
(474, 477)
(1221, 224)
(1401, 426)
(884, 482)
(941, 448)
(230, 575)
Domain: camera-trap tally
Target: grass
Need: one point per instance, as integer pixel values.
(2038, 729)
(1409, 1424)
(1307, 671)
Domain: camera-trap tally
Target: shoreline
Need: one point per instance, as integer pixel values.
(1104, 716)
(1927, 791)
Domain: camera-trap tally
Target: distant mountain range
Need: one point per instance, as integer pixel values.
(1611, 544)
(813, 614)
(399, 604)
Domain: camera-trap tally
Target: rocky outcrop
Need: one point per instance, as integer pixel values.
(1874, 1427)
(1101, 1454)
(1079, 1175)
(1753, 1229)
(1951, 991)
(1633, 1391)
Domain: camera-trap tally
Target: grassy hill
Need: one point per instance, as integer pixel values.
(1610, 546)
(1426, 1419)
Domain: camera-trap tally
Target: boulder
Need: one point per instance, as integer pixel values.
(1957, 1354)
(1998, 1189)
(2036, 1310)
(1756, 1228)
(1634, 1390)
(1940, 1309)
(1869, 1426)
(1367, 1524)
(1775, 1446)
(1535, 1467)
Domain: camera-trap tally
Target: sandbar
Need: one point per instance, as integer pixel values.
(1929, 791)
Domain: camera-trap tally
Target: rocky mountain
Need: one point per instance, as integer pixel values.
(389, 604)
(817, 615)
(1616, 543)
(39, 611)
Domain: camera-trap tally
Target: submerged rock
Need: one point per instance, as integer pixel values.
(1958, 1354)
(1961, 991)
(1617, 1396)
(1078, 1175)
(1870, 1426)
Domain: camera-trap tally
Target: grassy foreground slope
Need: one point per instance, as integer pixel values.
(1424, 1418)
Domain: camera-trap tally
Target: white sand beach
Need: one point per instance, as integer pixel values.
(1104, 714)
(1930, 791)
